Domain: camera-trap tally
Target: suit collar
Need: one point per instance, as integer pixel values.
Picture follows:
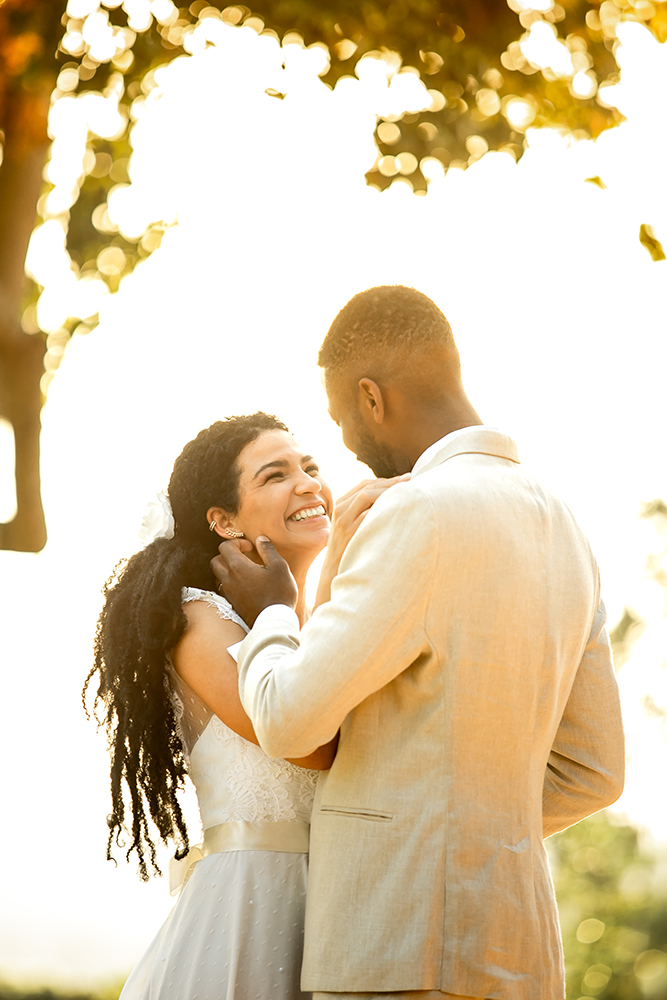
(477, 440)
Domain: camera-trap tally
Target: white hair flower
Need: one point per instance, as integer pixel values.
(158, 521)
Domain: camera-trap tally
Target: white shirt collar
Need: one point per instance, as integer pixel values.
(433, 449)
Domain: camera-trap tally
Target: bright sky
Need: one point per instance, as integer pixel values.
(557, 308)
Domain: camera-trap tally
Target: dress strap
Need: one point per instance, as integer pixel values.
(285, 837)
(216, 601)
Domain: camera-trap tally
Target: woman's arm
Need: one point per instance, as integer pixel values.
(202, 661)
(348, 514)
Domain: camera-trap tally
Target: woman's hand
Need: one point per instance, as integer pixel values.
(348, 514)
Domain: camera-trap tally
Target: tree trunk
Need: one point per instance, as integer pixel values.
(21, 354)
(24, 114)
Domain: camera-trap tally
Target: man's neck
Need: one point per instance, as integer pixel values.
(427, 433)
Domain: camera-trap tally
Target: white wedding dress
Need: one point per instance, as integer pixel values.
(236, 932)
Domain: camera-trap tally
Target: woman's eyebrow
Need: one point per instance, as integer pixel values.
(281, 463)
(276, 464)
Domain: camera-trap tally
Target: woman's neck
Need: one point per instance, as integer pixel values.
(301, 609)
(299, 568)
(300, 573)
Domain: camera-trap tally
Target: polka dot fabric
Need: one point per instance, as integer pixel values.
(236, 932)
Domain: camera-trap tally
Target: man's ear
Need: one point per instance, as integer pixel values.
(371, 399)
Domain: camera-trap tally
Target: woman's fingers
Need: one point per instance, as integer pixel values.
(382, 484)
(359, 518)
(347, 517)
(355, 490)
(350, 511)
(364, 495)
(363, 500)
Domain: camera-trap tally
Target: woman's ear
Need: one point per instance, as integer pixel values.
(221, 520)
(371, 399)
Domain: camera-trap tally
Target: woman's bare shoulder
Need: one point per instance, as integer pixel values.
(202, 660)
(206, 637)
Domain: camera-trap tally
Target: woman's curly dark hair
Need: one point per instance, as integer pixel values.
(142, 620)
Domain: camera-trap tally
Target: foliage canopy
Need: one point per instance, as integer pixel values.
(471, 54)
(492, 67)
(612, 897)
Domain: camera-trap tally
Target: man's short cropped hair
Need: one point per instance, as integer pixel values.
(382, 324)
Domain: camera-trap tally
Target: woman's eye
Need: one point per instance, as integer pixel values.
(274, 475)
(312, 470)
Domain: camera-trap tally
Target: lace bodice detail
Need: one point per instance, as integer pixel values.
(235, 779)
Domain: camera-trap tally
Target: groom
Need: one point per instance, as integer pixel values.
(464, 658)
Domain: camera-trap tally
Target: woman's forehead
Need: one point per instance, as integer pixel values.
(268, 446)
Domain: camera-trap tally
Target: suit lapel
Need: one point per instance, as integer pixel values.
(476, 442)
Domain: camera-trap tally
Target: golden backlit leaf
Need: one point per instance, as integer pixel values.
(650, 241)
(658, 23)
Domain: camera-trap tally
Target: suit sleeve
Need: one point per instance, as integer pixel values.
(586, 766)
(298, 688)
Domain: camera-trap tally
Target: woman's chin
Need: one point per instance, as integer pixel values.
(311, 541)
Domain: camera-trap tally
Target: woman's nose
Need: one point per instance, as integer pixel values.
(309, 484)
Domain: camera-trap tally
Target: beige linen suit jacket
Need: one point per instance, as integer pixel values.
(464, 657)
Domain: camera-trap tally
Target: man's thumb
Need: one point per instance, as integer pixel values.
(266, 549)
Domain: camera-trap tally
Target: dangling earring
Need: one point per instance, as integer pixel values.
(233, 534)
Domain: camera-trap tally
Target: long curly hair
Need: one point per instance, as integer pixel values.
(141, 622)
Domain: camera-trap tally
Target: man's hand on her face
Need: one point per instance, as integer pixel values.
(249, 587)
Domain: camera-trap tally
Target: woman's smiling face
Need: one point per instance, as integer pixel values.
(282, 496)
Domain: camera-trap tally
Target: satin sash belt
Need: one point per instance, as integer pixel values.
(240, 835)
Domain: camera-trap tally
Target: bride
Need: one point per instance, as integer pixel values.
(167, 681)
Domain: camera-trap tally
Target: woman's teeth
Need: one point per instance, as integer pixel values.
(302, 515)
